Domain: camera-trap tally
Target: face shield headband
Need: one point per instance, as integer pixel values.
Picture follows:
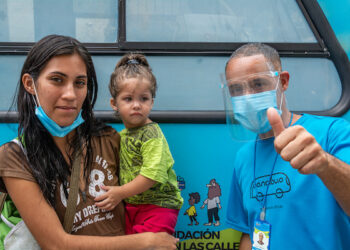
(51, 126)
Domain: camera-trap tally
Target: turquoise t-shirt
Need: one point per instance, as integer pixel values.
(301, 210)
(145, 151)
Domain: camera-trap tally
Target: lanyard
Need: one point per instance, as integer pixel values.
(264, 201)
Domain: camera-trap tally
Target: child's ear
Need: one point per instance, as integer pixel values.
(28, 83)
(112, 102)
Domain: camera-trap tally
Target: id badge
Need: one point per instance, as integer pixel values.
(261, 236)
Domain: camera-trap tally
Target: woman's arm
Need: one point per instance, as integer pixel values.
(43, 222)
(115, 194)
(245, 243)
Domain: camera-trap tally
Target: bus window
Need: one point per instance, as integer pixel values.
(216, 21)
(30, 20)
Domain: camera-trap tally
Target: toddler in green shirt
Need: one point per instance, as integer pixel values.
(148, 183)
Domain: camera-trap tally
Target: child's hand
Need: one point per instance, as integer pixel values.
(109, 200)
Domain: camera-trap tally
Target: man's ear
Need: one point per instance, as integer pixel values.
(112, 102)
(28, 83)
(284, 79)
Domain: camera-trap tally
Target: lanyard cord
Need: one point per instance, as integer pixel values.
(263, 203)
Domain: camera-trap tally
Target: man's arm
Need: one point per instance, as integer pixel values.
(336, 177)
(301, 149)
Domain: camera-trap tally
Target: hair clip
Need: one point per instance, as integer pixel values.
(132, 61)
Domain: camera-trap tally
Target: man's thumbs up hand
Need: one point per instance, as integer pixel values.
(275, 121)
(297, 146)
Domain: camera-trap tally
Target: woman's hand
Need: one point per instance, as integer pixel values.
(160, 241)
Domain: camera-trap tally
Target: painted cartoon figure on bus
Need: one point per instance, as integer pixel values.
(191, 211)
(213, 203)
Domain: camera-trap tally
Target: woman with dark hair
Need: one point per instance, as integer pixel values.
(56, 94)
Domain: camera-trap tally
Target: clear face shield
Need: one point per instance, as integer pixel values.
(246, 101)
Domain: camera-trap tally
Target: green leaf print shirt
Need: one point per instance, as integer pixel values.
(145, 151)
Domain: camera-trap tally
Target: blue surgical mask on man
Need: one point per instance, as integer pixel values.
(51, 126)
(250, 110)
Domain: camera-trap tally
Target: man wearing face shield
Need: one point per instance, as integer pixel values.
(292, 175)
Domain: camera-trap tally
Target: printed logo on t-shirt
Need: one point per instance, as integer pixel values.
(278, 184)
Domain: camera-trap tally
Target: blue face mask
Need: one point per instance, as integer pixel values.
(250, 110)
(51, 126)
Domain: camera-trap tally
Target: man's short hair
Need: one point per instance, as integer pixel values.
(252, 49)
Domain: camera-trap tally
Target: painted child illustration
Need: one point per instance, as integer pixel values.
(191, 211)
(213, 203)
(148, 183)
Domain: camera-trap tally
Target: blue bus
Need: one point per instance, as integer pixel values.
(188, 43)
